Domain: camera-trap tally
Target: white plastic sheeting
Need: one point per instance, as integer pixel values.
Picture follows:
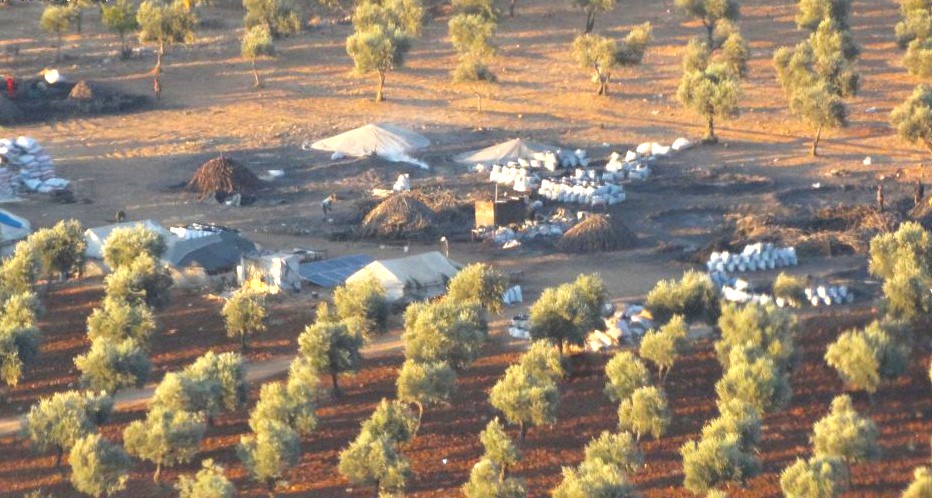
(385, 140)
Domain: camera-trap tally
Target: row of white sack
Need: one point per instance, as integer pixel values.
(46, 186)
(20, 145)
(513, 295)
(582, 188)
(588, 200)
(742, 262)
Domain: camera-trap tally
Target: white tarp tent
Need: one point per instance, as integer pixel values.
(12, 229)
(415, 277)
(504, 152)
(97, 236)
(385, 140)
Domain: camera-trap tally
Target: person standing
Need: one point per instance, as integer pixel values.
(327, 204)
(880, 197)
(920, 192)
(157, 88)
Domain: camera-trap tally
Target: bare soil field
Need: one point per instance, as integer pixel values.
(134, 161)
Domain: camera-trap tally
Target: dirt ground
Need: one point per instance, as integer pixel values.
(131, 161)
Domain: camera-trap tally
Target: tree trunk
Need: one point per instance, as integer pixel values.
(336, 387)
(378, 93)
(58, 49)
(58, 457)
(522, 430)
(158, 472)
(814, 151)
(122, 45)
(590, 20)
(255, 73)
(270, 486)
(511, 8)
(158, 58)
(710, 130)
(77, 18)
(420, 416)
(242, 342)
(561, 349)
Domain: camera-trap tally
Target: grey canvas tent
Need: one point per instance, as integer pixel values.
(504, 152)
(214, 252)
(385, 140)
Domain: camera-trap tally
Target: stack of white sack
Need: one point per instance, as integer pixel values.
(583, 191)
(829, 295)
(754, 257)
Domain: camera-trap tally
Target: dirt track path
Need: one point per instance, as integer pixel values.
(134, 399)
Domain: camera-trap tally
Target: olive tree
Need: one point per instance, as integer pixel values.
(754, 378)
(110, 366)
(393, 419)
(125, 244)
(845, 434)
(693, 296)
(57, 421)
(739, 417)
(903, 260)
(912, 119)
(425, 384)
(664, 346)
(479, 282)
(446, 330)
(257, 42)
(594, 478)
(362, 305)
(19, 311)
(166, 437)
(815, 478)
(767, 327)
(498, 447)
(209, 482)
(711, 93)
(645, 412)
(98, 467)
(620, 450)
(813, 12)
(56, 19)
(19, 272)
(244, 314)
(117, 320)
(863, 357)
(144, 281)
(121, 18)
(602, 54)
(485, 481)
(471, 35)
(164, 24)
(525, 399)
(374, 460)
(542, 360)
(382, 37)
(921, 485)
(710, 13)
(591, 8)
(212, 384)
(330, 348)
(626, 374)
(60, 249)
(568, 313)
(268, 453)
(292, 403)
(712, 462)
(278, 18)
(19, 347)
